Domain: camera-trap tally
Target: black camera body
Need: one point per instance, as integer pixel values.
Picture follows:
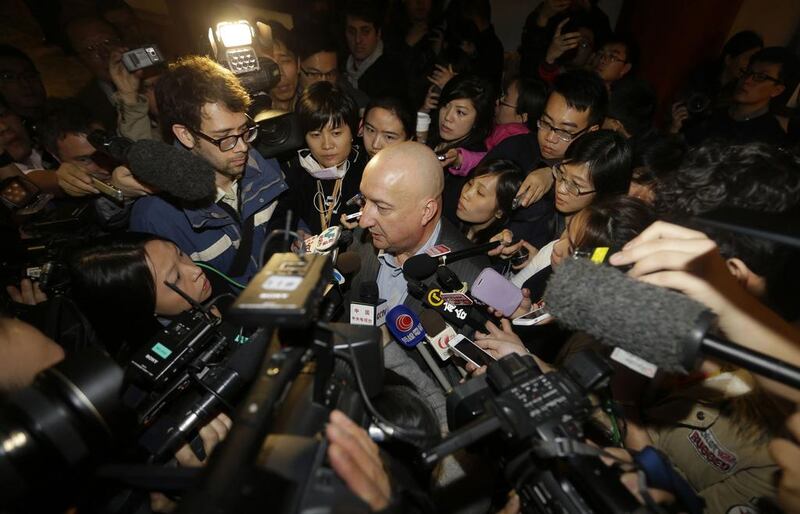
(537, 420)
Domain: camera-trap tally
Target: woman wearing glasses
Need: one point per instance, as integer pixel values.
(596, 166)
(323, 176)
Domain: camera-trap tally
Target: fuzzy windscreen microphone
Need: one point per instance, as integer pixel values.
(348, 263)
(656, 324)
(175, 171)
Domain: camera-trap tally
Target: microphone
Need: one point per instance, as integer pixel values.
(449, 280)
(437, 332)
(175, 171)
(328, 240)
(348, 264)
(422, 266)
(661, 326)
(368, 309)
(404, 325)
(457, 315)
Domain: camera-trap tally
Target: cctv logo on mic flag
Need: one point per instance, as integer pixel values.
(404, 326)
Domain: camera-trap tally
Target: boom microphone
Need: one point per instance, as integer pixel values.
(661, 326)
(175, 171)
(422, 266)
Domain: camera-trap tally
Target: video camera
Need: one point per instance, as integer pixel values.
(535, 421)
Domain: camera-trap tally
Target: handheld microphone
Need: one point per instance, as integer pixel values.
(422, 266)
(666, 328)
(368, 309)
(407, 330)
(175, 171)
(456, 315)
(437, 333)
(449, 280)
(328, 240)
(347, 264)
(405, 326)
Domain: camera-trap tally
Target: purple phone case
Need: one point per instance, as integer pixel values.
(495, 290)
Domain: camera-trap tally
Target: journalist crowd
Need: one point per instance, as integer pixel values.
(527, 281)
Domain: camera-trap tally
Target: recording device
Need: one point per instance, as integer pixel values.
(278, 131)
(21, 196)
(449, 280)
(407, 330)
(174, 171)
(287, 291)
(516, 202)
(156, 363)
(108, 190)
(663, 327)
(210, 385)
(456, 315)
(233, 44)
(437, 333)
(469, 351)
(538, 314)
(495, 290)
(441, 157)
(535, 422)
(52, 432)
(422, 266)
(368, 309)
(329, 240)
(141, 58)
(404, 326)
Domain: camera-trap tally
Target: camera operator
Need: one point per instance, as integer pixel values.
(210, 119)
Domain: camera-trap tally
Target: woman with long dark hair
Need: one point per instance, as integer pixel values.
(487, 198)
(125, 286)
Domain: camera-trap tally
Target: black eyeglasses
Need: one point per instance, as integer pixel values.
(228, 143)
(570, 186)
(560, 133)
(320, 75)
(758, 76)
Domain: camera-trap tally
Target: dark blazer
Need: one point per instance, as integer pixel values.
(467, 269)
(384, 79)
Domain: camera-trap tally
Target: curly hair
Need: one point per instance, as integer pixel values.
(189, 84)
(756, 176)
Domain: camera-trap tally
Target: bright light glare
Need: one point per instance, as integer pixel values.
(234, 33)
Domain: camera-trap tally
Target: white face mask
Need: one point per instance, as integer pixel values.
(311, 165)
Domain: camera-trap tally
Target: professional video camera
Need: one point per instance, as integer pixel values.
(74, 420)
(240, 47)
(536, 423)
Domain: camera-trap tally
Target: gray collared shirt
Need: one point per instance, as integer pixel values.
(392, 285)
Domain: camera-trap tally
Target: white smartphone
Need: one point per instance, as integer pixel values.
(536, 316)
(469, 351)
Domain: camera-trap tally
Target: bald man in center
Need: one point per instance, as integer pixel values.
(402, 217)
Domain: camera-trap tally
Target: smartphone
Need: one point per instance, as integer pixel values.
(353, 217)
(17, 192)
(143, 57)
(536, 316)
(108, 190)
(496, 291)
(469, 351)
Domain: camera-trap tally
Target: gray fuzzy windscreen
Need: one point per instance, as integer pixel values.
(648, 321)
(175, 171)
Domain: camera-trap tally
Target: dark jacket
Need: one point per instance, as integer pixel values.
(534, 223)
(303, 190)
(209, 233)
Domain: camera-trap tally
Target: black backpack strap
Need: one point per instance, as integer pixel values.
(242, 258)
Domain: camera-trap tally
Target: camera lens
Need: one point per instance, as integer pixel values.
(49, 432)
